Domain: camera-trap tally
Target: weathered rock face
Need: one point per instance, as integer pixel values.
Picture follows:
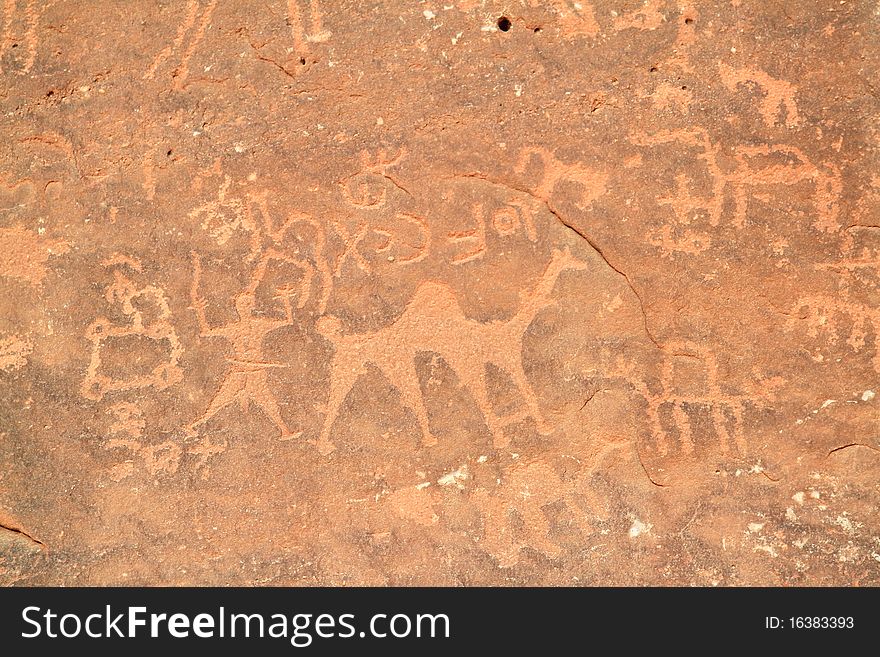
(381, 293)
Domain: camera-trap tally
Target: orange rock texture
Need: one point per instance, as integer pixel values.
(454, 293)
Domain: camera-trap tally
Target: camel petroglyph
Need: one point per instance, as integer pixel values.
(434, 322)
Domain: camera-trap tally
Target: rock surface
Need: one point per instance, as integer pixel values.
(461, 292)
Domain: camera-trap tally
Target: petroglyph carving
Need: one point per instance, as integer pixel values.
(474, 238)
(778, 94)
(757, 166)
(683, 202)
(687, 206)
(247, 379)
(553, 172)
(508, 220)
(223, 216)
(434, 322)
(19, 20)
(725, 410)
(836, 317)
(128, 421)
(351, 240)
(787, 165)
(189, 35)
(526, 490)
(126, 433)
(147, 315)
(280, 249)
(403, 239)
(316, 32)
(395, 243)
(227, 214)
(470, 242)
(368, 188)
(23, 254)
(14, 351)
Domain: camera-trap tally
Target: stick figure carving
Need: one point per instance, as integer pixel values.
(247, 380)
(434, 322)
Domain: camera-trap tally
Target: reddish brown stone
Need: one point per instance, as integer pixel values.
(381, 293)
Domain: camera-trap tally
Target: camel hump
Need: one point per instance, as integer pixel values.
(434, 299)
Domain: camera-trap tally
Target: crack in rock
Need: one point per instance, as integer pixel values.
(578, 231)
(21, 532)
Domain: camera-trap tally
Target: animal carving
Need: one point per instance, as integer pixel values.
(434, 322)
(795, 168)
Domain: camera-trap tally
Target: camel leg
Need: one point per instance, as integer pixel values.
(683, 424)
(342, 379)
(407, 382)
(518, 375)
(473, 376)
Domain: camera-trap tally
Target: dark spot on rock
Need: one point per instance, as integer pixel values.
(504, 23)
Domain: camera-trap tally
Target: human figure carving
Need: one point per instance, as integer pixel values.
(434, 322)
(247, 380)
